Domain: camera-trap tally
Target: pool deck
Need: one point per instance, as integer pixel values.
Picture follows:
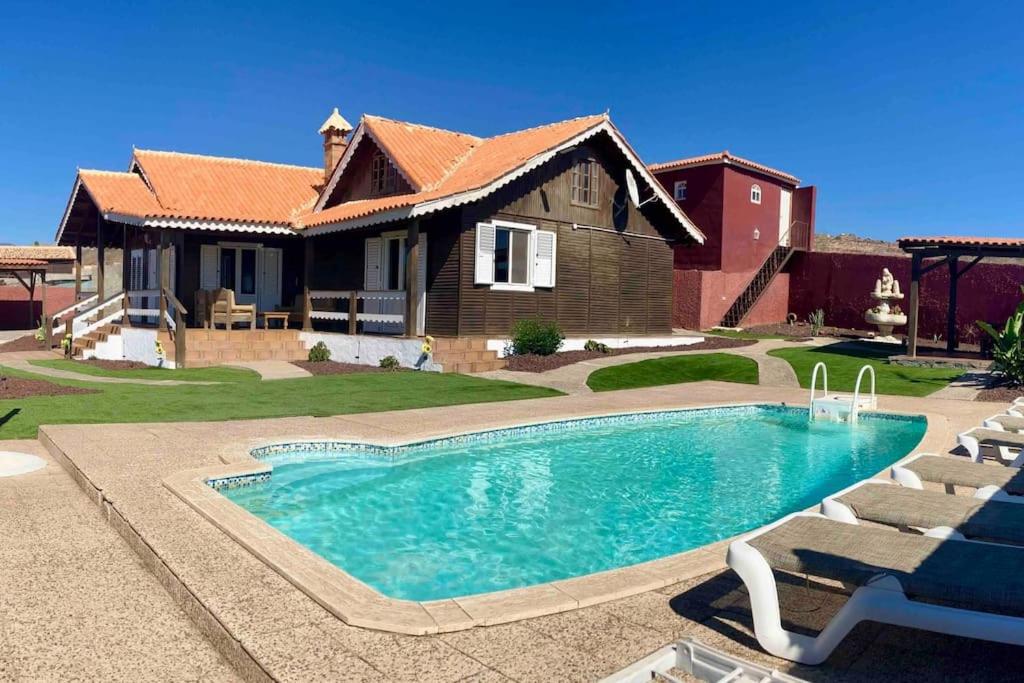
(271, 630)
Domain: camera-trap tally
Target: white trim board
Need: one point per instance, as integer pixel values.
(577, 343)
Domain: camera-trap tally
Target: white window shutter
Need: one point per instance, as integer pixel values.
(372, 276)
(544, 264)
(209, 271)
(485, 237)
(421, 285)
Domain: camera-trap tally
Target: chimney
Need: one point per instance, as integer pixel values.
(334, 130)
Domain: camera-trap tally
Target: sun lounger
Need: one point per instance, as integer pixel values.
(1016, 408)
(991, 481)
(1007, 444)
(1007, 423)
(932, 512)
(946, 586)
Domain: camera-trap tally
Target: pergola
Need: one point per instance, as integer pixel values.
(29, 265)
(949, 251)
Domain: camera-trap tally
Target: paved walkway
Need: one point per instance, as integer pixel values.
(272, 369)
(77, 603)
(572, 379)
(966, 387)
(10, 335)
(18, 361)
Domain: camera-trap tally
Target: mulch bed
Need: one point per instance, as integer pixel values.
(114, 364)
(1002, 394)
(331, 367)
(802, 331)
(534, 363)
(17, 387)
(26, 343)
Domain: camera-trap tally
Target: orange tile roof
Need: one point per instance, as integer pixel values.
(424, 155)
(124, 193)
(480, 164)
(37, 253)
(219, 188)
(725, 158)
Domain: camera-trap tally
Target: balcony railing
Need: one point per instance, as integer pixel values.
(358, 306)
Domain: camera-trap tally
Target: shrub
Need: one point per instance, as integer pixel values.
(319, 353)
(390, 363)
(816, 321)
(1008, 345)
(592, 345)
(536, 336)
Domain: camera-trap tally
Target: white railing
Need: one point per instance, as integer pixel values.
(814, 383)
(856, 392)
(82, 324)
(378, 307)
(84, 303)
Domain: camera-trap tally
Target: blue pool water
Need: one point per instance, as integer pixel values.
(514, 508)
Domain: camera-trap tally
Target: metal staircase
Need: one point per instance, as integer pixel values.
(771, 267)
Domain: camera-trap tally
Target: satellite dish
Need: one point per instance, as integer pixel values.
(634, 192)
(631, 188)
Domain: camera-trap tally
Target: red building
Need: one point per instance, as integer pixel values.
(755, 218)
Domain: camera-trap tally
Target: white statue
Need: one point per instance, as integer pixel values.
(887, 289)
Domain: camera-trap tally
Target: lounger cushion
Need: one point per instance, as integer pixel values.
(898, 506)
(993, 437)
(976, 576)
(1009, 421)
(961, 472)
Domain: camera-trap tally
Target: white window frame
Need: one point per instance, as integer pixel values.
(385, 264)
(531, 255)
(679, 191)
(755, 194)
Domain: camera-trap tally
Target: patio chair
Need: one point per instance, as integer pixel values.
(1007, 445)
(933, 513)
(939, 585)
(1016, 409)
(223, 309)
(989, 481)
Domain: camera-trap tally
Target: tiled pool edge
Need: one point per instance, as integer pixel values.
(357, 604)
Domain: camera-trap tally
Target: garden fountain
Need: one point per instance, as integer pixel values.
(886, 289)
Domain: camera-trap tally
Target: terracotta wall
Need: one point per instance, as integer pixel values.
(841, 284)
(702, 297)
(14, 313)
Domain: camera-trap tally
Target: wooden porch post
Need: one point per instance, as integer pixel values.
(125, 276)
(78, 267)
(47, 324)
(31, 299)
(101, 256)
(307, 275)
(951, 336)
(412, 269)
(915, 281)
(163, 277)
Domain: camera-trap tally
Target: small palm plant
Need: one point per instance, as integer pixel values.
(1008, 348)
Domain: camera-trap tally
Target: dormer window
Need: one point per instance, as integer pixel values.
(383, 175)
(679, 190)
(755, 194)
(584, 183)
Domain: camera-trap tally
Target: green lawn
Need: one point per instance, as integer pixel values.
(845, 359)
(675, 370)
(743, 334)
(317, 396)
(213, 374)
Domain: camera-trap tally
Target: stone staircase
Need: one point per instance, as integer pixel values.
(465, 354)
(89, 341)
(215, 347)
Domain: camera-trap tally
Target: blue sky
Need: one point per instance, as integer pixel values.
(908, 118)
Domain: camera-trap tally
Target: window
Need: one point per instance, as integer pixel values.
(680, 190)
(394, 269)
(383, 175)
(755, 194)
(227, 268)
(584, 183)
(248, 271)
(514, 256)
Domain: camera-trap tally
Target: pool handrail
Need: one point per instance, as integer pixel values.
(814, 383)
(855, 407)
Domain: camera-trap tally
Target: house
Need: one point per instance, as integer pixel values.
(755, 218)
(406, 230)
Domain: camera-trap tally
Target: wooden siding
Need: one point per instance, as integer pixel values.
(355, 182)
(605, 283)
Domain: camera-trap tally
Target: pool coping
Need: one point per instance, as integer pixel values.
(357, 604)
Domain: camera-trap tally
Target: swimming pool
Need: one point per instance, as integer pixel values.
(522, 506)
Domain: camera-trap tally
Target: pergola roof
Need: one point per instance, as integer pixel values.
(985, 246)
(33, 258)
